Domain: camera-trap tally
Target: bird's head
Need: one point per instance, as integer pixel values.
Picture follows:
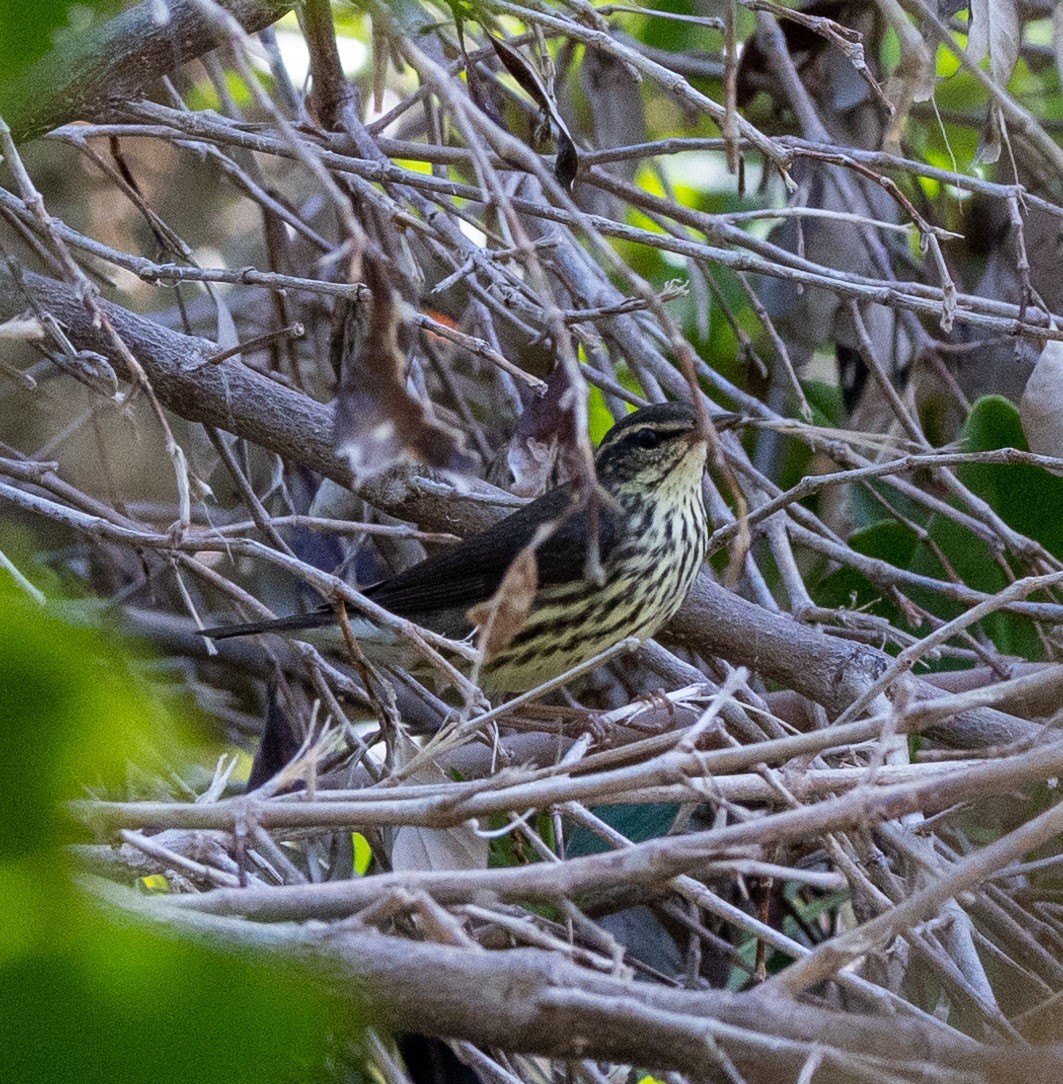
(654, 446)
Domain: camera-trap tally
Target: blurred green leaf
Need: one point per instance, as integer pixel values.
(26, 32)
(84, 995)
(29, 30)
(599, 420)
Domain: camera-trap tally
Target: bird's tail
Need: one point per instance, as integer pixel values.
(315, 619)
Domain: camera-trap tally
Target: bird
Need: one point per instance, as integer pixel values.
(652, 534)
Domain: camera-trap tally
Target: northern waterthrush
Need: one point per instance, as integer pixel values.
(651, 539)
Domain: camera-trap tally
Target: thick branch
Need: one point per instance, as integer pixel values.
(116, 61)
(827, 670)
(533, 1001)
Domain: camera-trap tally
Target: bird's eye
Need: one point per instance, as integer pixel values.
(648, 438)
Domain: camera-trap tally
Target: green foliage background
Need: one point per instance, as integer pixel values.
(86, 994)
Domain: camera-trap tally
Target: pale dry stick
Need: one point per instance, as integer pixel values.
(472, 122)
(169, 240)
(729, 127)
(78, 136)
(336, 104)
(171, 858)
(643, 864)
(736, 788)
(739, 235)
(332, 526)
(738, 217)
(716, 228)
(967, 182)
(1017, 117)
(330, 586)
(462, 730)
(395, 970)
(849, 42)
(166, 274)
(490, 1068)
(45, 224)
(698, 894)
(908, 420)
(388, 1068)
(999, 915)
(478, 348)
(797, 594)
(240, 41)
(34, 204)
(830, 153)
(457, 803)
(951, 943)
(909, 296)
(782, 354)
(826, 959)
(749, 867)
(919, 494)
(12, 570)
(287, 871)
(709, 21)
(780, 60)
(888, 576)
(669, 292)
(258, 511)
(913, 77)
(679, 344)
(521, 930)
(631, 58)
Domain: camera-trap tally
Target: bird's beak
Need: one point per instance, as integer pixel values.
(719, 423)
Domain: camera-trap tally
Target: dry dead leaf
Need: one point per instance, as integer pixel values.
(1041, 408)
(502, 616)
(567, 163)
(378, 422)
(996, 30)
(416, 848)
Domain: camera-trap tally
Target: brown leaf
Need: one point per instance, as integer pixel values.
(416, 848)
(545, 443)
(502, 616)
(995, 29)
(1041, 407)
(531, 462)
(567, 163)
(378, 423)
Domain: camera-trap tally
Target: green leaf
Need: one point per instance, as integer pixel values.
(636, 821)
(85, 995)
(1027, 498)
(848, 588)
